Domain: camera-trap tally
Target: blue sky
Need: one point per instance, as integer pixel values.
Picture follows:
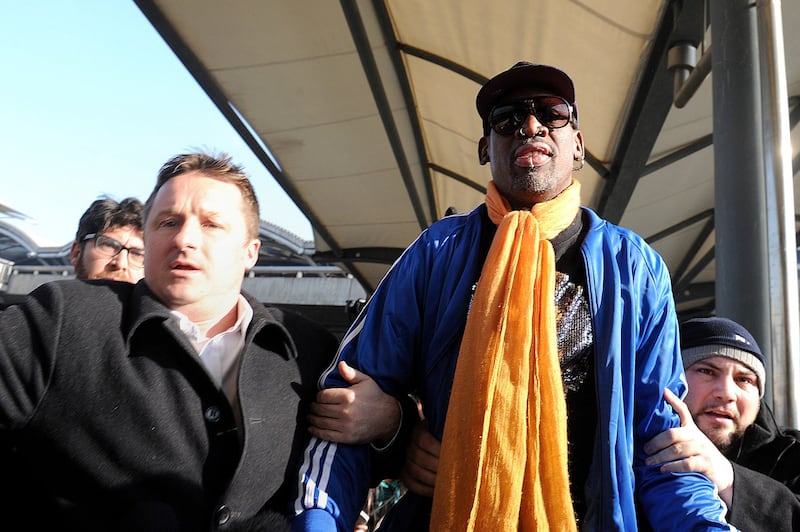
(93, 102)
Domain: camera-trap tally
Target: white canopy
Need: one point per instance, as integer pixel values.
(368, 110)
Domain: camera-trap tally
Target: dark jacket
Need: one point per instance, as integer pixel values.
(766, 477)
(109, 421)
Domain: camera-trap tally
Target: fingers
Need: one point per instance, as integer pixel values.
(319, 427)
(673, 452)
(330, 418)
(418, 479)
(328, 435)
(339, 425)
(356, 414)
(422, 461)
(422, 458)
(659, 442)
(350, 374)
(336, 396)
(328, 422)
(697, 463)
(676, 443)
(679, 406)
(424, 443)
(358, 422)
(419, 472)
(679, 466)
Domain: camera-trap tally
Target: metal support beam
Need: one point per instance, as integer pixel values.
(782, 245)
(363, 46)
(354, 255)
(683, 224)
(694, 292)
(680, 272)
(458, 177)
(677, 155)
(742, 283)
(794, 117)
(206, 81)
(683, 22)
(685, 87)
(393, 48)
(698, 267)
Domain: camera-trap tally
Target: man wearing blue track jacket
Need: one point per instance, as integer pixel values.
(601, 295)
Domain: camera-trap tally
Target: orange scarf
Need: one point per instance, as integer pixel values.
(503, 463)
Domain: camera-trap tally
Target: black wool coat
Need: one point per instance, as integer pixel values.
(766, 477)
(109, 421)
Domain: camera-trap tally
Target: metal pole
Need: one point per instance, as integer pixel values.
(742, 283)
(785, 307)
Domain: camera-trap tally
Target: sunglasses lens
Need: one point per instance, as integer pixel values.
(550, 111)
(507, 118)
(554, 113)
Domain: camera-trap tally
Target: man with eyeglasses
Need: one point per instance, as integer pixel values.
(539, 339)
(108, 243)
(167, 405)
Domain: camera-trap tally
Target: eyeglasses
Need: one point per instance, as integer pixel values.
(111, 248)
(552, 112)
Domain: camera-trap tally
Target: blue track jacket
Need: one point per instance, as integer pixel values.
(408, 336)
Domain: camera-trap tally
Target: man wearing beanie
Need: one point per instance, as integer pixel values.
(728, 433)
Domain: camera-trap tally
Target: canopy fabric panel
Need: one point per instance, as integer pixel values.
(364, 111)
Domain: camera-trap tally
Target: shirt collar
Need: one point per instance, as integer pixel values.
(244, 315)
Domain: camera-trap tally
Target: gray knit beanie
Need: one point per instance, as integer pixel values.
(702, 338)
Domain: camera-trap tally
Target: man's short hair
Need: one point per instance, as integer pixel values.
(219, 167)
(702, 338)
(106, 213)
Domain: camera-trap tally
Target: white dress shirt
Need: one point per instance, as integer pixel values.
(220, 353)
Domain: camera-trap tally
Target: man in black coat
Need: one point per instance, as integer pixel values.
(728, 433)
(172, 404)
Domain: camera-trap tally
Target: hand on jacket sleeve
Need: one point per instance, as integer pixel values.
(686, 448)
(422, 461)
(361, 413)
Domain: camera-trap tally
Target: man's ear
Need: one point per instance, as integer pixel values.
(75, 254)
(251, 253)
(580, 150)
(483, 150)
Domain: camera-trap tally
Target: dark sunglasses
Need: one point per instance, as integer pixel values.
(109, 247)
(552, 112)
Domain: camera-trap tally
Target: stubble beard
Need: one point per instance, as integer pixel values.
(536, 181)
(80, 270)
(726, 441)
(731, 444)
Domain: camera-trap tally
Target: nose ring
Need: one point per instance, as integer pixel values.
(522, 132)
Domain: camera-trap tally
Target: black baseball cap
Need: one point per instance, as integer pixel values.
(525, 74)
